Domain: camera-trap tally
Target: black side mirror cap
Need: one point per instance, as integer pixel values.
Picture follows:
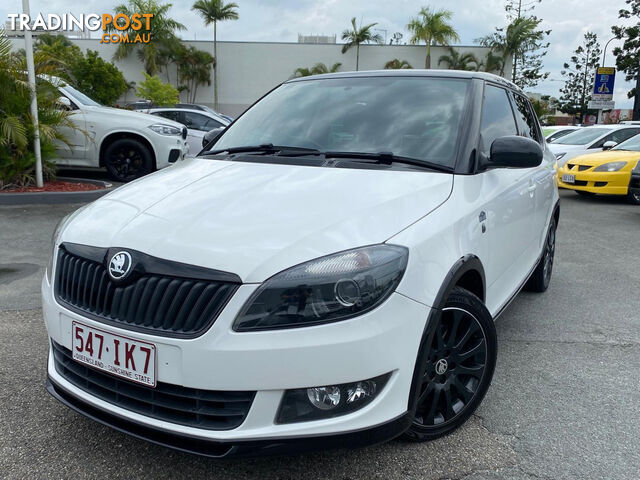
(211, 136)
(513, 151)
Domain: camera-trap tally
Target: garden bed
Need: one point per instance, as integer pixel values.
(61, 190)
(57, 186)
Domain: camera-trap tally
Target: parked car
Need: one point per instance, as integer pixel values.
(591, 139)
(140, 105)
(128, 144)
(198, 122)
(326, 276)
(197, 106)
(608, 173)
(553, 133)
(634, 184)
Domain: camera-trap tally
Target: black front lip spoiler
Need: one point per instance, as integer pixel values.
(237, 448)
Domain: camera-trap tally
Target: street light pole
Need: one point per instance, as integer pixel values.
(28, 46)
(604, 52)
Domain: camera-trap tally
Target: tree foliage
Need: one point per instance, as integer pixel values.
(157, 92)
(433, 28)
(357, 35)
(98, 79)
(194, 68)
(161, 31)
(212, 12)
(318, 69)
(17, 157)
(579, 73)
(628, 56)
(397, 64)
(523, 41)
(456, 60)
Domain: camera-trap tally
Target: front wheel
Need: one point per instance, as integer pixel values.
(633, 197)
(459, 357)
(127, 159)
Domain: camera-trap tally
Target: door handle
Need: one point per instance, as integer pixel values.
(532, 188)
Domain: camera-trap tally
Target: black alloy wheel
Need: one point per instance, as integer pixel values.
(541, 276)
(127, 159)
(633, 197)
(460, 351)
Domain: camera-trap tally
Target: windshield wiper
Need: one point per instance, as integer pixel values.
(387, 158)
(282, 150)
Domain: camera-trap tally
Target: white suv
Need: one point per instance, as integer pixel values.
(128, 144)
(326, 276)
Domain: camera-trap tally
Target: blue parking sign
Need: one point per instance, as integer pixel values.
(604, 82)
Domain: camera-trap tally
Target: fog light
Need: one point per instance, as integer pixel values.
(315, 403)
(324, 398)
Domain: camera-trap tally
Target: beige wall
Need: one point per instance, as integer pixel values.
(248, 70)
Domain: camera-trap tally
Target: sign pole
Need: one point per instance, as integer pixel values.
(28, 46)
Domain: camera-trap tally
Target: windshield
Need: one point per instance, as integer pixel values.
(582, 136)
(81, 97)
(632, 144)
(415, 117)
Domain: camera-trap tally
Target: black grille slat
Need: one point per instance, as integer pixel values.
(208, 409)
(161, 304)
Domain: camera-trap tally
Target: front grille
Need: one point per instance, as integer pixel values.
(580, 183)
(207, 409)
(161, 304)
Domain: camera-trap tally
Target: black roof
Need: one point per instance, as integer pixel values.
(490, 77)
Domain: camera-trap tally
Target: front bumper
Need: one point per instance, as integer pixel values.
(169, 149)
(608, 183)
(383, 340)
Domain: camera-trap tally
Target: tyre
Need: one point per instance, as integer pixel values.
(633, 197)
(541, 276)
(127, 159)
(583, 193)
(458, 358)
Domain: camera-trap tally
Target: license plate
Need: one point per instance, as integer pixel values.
(568, 178)
(120, 356)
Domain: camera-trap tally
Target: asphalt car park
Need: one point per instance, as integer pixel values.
(563, 403)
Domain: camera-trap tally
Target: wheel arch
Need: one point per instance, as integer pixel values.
(467, 272)
(113, 136)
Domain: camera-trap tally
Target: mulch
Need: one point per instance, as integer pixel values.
(56, 186)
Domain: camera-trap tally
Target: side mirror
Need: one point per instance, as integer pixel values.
(211, 136)
(514, 152)
(608, 145)
(65, 103)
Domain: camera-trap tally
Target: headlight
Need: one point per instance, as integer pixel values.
(560, 155)
(610, 167)
(327, 289)
(56, 236)
(164, 129)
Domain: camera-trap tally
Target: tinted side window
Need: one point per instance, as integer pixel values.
(617, 136)
(497, 117)
(527, 123)
(171, 115)
(197, 121)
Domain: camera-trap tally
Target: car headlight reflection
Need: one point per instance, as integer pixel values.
(327, 289)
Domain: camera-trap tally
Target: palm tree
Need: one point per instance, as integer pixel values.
(519, 37)
(161, 31)
(317, 69)
(355, 36)
(432, 28)
(459, 61)
(194, 69)
(214, 11)
(397, 64)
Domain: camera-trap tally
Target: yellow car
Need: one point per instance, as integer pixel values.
(607, 172)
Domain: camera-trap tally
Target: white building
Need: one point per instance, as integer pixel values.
(248, 70)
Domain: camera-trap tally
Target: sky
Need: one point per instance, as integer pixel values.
(283, 20)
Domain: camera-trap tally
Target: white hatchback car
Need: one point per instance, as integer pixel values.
(128, 144)
(198, 122)
(327, 276)
(591, 139)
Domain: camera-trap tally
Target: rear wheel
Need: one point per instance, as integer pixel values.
(127, 159)
(541, 276)
(459, 357)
